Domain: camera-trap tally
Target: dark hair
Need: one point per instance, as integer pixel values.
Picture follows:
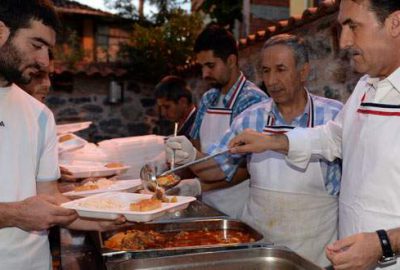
(296, 43)
(217, 39)
(383, 8)
(173, 88)
(17, 14)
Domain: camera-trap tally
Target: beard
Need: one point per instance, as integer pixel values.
(11, 60)
(213, 83)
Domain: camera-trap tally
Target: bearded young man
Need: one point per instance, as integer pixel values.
(29, 198)
(230, 94)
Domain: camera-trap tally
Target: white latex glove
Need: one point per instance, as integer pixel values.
(187, 187)
(184, 150)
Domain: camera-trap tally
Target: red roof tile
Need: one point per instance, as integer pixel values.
(326, 7)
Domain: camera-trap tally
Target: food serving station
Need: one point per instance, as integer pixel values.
(85, 250)
(162, 232)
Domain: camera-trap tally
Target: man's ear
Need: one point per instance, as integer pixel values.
(304, 72)
(231, 61)
(183, 101)
(4, 33)
(394, 23)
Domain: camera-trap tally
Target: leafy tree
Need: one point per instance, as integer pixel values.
(128, 9)
(160, 43)
(158, 50)
(224, 12)
(69, 50)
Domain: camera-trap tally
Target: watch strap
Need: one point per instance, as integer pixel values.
(387, 251)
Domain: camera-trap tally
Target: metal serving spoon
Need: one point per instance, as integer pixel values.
(149, 176)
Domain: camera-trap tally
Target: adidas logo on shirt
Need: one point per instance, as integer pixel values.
(2, 124)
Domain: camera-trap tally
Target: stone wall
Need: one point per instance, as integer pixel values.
(331, 76)
(89, 101)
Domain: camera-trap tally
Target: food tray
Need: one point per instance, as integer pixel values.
(171, 226)
(118, 185)
(72, 127)
(71, 144)
(85, 169)
(126, 199)
(252, 258)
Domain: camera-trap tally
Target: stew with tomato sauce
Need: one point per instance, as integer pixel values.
(141, 240)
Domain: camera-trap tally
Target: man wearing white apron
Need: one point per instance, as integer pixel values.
(216, 51)
(365, 135)
(291, 207)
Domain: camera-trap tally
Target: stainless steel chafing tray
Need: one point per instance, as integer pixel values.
(175, 226)
(266, 258)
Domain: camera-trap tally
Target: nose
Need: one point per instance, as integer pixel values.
(206, 72)
(42, 58)
(270, 79)
(346, 39)
(46, 81)
(163, 112)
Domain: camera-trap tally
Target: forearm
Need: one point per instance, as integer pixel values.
(8, 214)
(240, 175)
(208, 170)
(278, 143)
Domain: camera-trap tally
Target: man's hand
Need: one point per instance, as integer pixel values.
(41, 212)
(356, 252)
(251, 141)
(187, 187)
(184, 150)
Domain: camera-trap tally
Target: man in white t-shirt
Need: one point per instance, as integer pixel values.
(29, 199)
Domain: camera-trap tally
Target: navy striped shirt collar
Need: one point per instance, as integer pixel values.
(301, 119)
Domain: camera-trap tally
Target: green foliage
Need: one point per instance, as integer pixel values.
(125, 8)
(158, 50)
(224, 12)
(69, 50)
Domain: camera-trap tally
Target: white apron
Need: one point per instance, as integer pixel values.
(289, 206)
(369, 198)
(215, 123)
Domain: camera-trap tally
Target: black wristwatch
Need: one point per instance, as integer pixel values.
(388, 256)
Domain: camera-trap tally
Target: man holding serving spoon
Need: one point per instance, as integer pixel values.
(230, 94)
(291, 207)
(364, 135)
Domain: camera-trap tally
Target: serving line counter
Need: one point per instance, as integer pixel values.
(85, 250)
(78, 251)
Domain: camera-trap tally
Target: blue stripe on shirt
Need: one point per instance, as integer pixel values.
(249, 95)
(256, 117)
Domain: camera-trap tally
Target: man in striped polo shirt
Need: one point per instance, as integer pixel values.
(230, 94)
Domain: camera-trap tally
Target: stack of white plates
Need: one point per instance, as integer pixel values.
(135, 152)
(90, 152)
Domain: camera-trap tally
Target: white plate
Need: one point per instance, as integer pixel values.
(84, 169)
(71, 144)
(118, 185)
(73, 127)
(126, 198)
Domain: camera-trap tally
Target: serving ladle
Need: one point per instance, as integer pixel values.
(149, 177)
